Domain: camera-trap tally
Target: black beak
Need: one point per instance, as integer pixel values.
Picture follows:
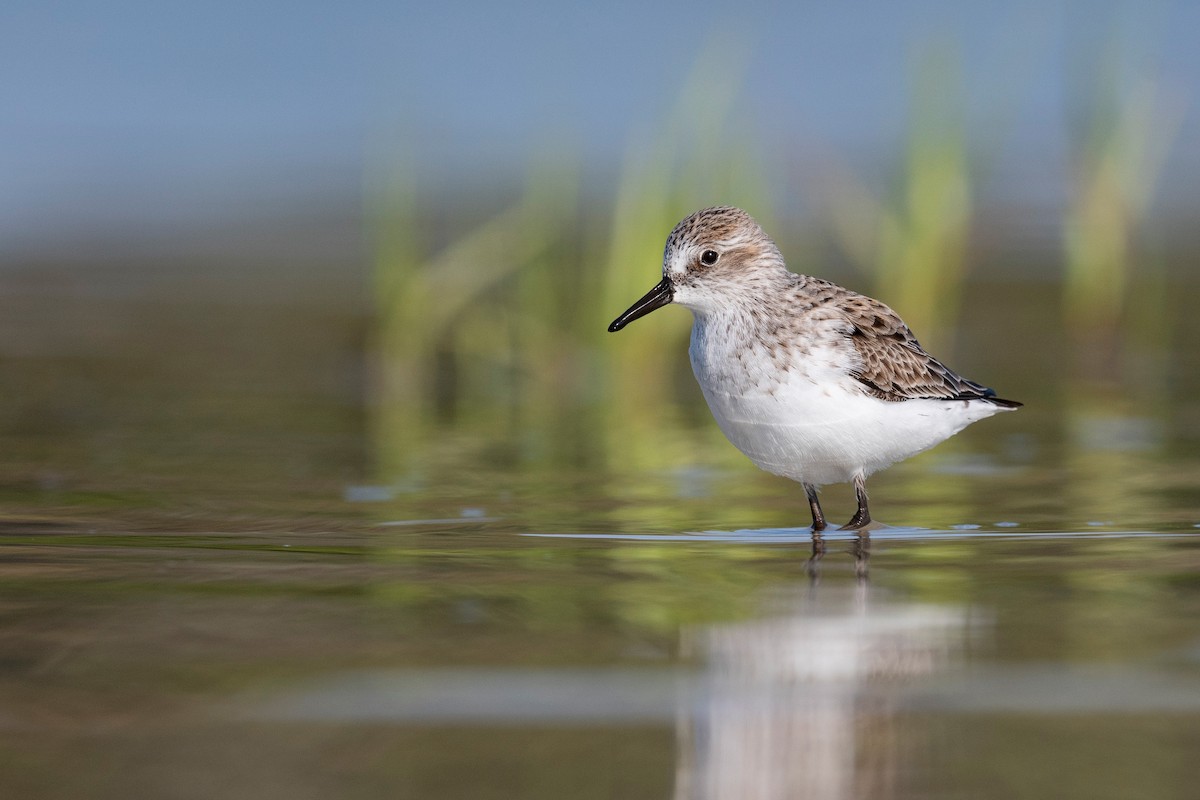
(659, 296)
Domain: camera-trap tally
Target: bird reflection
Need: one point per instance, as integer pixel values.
(801, 702)
(860, 551)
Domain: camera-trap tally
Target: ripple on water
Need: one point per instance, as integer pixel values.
(882, 533)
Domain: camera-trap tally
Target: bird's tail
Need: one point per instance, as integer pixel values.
(1007, 405)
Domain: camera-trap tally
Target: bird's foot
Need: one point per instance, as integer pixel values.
(857, 522)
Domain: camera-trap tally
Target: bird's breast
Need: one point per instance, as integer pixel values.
(739, 358)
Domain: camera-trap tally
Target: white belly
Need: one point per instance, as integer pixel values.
(825, 434)
(803, 416)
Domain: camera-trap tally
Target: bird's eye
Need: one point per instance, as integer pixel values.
(709, 257)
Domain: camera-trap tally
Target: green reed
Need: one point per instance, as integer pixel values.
(1121, 137)
(500, 328)
(913, 246)
(457, 322)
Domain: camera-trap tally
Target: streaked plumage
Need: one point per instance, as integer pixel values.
(812, 381)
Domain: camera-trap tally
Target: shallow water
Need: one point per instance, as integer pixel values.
(210, 587)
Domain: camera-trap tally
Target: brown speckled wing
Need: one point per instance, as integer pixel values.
(894, 366)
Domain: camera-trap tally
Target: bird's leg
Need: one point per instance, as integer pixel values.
(862, 517)
(814, 505)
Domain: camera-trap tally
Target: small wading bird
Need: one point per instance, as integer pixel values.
(810, 380)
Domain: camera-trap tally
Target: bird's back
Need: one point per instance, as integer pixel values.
(891, 364)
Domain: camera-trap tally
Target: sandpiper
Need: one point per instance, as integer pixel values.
(812, 381)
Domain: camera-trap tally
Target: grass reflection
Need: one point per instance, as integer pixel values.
(652, 590)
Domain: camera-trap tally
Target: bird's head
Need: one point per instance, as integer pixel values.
(712, 259)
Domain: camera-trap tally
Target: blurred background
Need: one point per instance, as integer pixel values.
(465, 197)
(302, 334)
(406, 225)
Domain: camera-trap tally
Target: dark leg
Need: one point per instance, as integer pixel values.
(814, 506)
(862, 517)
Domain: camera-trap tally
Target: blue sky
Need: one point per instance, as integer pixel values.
(140, 113)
